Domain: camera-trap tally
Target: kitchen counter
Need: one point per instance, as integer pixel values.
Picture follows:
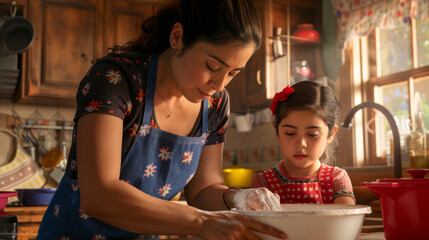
(372, 236)
(363, 236)
(29, 219)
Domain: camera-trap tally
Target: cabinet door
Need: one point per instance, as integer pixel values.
(304, 11)
(257, 80)
(123, 19)
(257, 69)
(249, 91)
(68, 39)
(27, 231)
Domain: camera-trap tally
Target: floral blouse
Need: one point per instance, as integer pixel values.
(116, 85)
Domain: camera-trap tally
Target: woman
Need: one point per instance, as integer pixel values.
(150, 121)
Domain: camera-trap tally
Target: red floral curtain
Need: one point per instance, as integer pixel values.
(357, 18)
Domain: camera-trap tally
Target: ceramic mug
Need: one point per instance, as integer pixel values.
(230, 122)
(244, 122)
(263, 116)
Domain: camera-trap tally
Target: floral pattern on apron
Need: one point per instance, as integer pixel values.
(302, 192)
(159, 164)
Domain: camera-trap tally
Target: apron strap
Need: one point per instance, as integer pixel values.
(205, 116)
(326, 182)
(150, 91)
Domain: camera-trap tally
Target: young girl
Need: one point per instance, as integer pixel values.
(305, 117)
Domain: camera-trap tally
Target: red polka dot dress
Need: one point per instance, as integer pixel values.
(321, 188)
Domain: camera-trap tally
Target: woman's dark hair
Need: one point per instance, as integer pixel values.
(310, 95)
(213, 21)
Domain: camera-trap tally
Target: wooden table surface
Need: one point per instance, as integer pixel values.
(29, 219)
(372, 236)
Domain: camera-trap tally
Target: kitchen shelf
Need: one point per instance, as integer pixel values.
(45, 127)
(257, 84)
(295, 40)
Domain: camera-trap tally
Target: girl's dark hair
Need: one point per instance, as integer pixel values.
(213, 21)
(310, 95)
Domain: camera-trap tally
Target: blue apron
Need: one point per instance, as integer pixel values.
(159, 164)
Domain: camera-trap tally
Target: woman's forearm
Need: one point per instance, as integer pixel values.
(210, 198)
(132, 210)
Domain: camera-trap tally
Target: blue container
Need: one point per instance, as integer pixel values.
(35, 197)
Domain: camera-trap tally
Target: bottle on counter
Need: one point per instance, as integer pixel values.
(417, 139)
(403, 125)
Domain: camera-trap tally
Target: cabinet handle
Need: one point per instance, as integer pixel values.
(258, 77)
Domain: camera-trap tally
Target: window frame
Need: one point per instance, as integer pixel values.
(360, 75)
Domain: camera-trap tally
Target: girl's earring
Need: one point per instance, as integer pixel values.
(173, 45)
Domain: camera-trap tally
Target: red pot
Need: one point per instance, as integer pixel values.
(404, 205)
(306, 32)
(4, 195)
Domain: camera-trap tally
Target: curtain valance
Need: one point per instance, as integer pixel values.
(357, 18)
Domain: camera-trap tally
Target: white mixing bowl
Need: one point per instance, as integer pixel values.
(314, 221)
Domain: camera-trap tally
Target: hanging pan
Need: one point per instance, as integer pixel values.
(16, 33)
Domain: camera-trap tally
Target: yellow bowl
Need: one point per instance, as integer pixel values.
(238, 177)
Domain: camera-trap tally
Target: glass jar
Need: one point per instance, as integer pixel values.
(300, 71)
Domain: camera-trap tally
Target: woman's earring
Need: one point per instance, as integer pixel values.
(173, 45)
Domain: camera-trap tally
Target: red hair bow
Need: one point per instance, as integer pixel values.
(279, 97)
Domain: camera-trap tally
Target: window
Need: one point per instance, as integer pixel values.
(393, 68)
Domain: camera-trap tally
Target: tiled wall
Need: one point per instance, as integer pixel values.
(40, 115)
(45, 112)
(256, 149)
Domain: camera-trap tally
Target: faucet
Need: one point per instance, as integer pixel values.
(396, 139)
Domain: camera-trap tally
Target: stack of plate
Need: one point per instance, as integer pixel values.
(8, 76)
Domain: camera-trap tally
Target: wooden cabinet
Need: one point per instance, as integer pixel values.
(250, 90)
(123, 19)
(69, 36)
(304, 11)
(29, 219)
(9, 67)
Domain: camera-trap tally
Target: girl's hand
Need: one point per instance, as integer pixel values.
(234, 226)
(254, 199)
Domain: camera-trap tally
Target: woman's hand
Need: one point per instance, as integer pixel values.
(253, 199)
(234, 226)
